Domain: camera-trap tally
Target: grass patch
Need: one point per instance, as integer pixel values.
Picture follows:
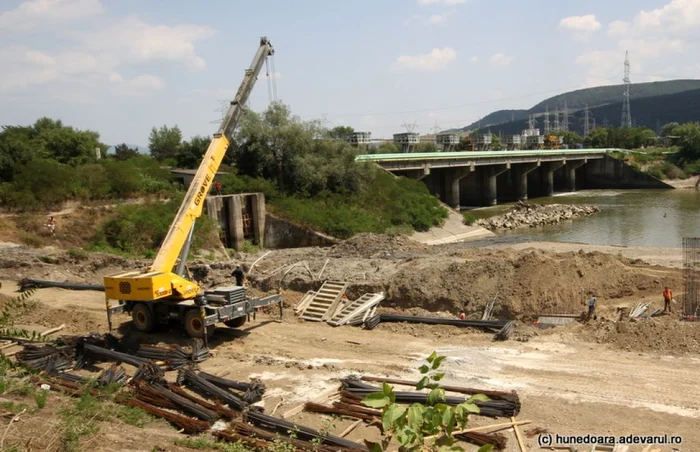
(469, 218)
(206, 444)
(78, 254)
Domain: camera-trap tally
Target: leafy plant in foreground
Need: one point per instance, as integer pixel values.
(433, 422)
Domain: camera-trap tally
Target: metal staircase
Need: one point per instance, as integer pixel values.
(325, 302)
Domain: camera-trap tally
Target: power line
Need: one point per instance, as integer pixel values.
(450, 107)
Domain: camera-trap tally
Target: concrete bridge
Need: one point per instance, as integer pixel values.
(485, 178)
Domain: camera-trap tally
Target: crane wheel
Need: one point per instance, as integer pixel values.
(236, 323)
(194, 326)
(142, 318)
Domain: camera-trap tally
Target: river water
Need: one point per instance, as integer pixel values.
(627, 217)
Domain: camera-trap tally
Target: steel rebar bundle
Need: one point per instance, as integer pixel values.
(512, 395)
(188, 424)
(488, 325)
(247, 431)
(174, 356)
(200, 385)
(480, 439)
(221, 410)
(103, 354)
(48, 358)
(149, 373)
(490, 408)
(325, 409)
(505, 332)
(200, 353)
(112, 375)
(27, 284)
(252, 392)
(282, 427)
(158, 393)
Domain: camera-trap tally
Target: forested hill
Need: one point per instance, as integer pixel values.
(646, 112)
(594, 97)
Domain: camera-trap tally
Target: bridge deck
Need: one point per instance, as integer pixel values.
(482, 155)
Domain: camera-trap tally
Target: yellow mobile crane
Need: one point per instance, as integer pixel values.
(166, 290)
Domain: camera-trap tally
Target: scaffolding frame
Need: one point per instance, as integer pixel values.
(691, 276)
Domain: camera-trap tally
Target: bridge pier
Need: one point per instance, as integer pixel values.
(549, 177)
(571, 173)
(521, 172)
(490, 183)
(453, 178)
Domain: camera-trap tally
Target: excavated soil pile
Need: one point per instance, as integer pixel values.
(370, 246)
(411, 275)
(664, 334)
(534, 215)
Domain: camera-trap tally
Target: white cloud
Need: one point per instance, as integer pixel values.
(141, 85)
(676, 15)
(500, 60)
(436, 60)
(438, 18)
(652, 48)
(587, 23)
(135, 40)
(441, 2)
(618, 28)
(473, 59)
(36, 14)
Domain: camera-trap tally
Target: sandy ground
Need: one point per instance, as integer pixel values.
(566, 386)
(576, 379)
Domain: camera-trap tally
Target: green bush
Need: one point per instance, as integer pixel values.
(692, 168)
(140, 228)
(656, 171)
(469, 218)
(234, 183)
(671, 171)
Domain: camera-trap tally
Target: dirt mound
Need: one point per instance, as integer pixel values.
(525, 283)
(376, 246)
(665, 335)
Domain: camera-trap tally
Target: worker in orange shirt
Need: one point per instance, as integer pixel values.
(668, 296)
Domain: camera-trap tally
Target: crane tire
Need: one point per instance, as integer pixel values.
(194, 326)
(142, 318)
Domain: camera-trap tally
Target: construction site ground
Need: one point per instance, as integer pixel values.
(596, 378)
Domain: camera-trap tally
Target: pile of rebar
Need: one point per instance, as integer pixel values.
(150, 373)
(345, 409)
(112, 375)
(639, 310)
(102, 354)
(491, 394)
(505, 332)
(203, 387)
(163, 397)
(480, 439)
(48, 358)
(252, 392)
(487, 325)
(282, 427)
(490, 408)
(200, 352)
(190, 425)
(259, 439)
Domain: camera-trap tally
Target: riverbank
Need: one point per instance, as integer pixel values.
(690, 182)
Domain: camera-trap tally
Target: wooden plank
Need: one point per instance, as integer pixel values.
(517, 435)
(352, 427)
(53, 330)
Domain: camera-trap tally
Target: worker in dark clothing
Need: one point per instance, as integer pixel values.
(217, 187)
(591, 306)
(238, 274)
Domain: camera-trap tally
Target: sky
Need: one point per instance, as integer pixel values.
(121, 67)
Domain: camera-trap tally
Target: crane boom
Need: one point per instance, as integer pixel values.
(159, 281)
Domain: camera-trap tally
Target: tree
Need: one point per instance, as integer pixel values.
(427, 146)
(669, 129)
(191, 152)
(124, 152)
(689, 134)
(341, 132)
(387, 147)
(164, 143)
